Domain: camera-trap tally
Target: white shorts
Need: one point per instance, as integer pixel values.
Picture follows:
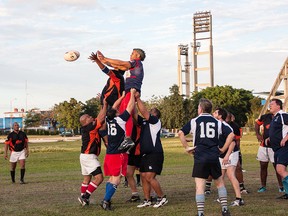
(265, 154)
(89, 163)
(15, 156)
(233, 160)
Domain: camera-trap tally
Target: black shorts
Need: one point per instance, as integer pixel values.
(152, 163)
(203, 170)
(134, 160)
(280, 156)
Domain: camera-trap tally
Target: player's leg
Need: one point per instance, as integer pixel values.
(146, 187)
(263, 158)
(132, 183)
(263, 175)
(199, 195)
(13, 163)
(94, 184)
(279, 179)
(12, 171)
(111, 187)
(239, 176)
(222, 193)
(22, 160)
(281, 169)
(208, 185)
(84, 186)
(85, 183)
(128, 142)
(216, 173)
(22, 170)
(138, 178)
(232, 178)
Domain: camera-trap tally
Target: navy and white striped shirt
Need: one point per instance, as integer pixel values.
(116, 133)
(150, 141)
(205, 130)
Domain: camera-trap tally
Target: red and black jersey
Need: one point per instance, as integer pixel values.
(113, 88)
(91, 140)
(265, 120)
(17, 141)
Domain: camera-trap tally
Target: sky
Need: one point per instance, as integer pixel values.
(249, 39)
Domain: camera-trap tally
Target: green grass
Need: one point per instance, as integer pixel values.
(53, 183)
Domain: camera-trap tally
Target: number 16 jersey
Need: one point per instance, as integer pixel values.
(205, 130)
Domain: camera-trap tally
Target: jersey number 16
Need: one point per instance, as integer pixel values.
(207, 130)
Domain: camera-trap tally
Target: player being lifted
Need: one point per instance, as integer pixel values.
(134, 78)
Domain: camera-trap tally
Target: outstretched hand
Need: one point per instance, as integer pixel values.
(93, 57)
(100, 55)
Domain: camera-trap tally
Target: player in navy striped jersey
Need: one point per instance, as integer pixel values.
(278, 135)
(205, 130)
(152, 154)
(115, 162)
(229, 159)
(90, 149)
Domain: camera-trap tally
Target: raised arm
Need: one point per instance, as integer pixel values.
(102, 113)
(93, 58)
(123, 65)
(141, 107)
(118, 101)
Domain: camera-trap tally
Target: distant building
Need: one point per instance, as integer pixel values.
(11, 117)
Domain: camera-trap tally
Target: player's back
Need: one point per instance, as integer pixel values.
(206, 137)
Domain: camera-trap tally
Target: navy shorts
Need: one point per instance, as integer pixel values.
(134, 160)
(281, 156)
(203, 170)
(152, 163)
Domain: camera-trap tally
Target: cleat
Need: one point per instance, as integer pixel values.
(237, 203)
(207, 192)
(261, 190)
(281, 190)
(106, 205)
(22, 182)
(226, 213)
(125, 184)
(134, 198)
(127, 143)
(138, 184)
(83, 201)
(161, 202)
(244, 191)
(285, 196)
(146, 203)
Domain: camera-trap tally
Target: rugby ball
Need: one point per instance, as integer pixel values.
(71, 55)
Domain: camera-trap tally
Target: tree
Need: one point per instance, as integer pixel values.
(33, 118)
(68, 114)
(172, 109)
(236, 101)
(92, 107)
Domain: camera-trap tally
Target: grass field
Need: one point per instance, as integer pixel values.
(53, 182)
